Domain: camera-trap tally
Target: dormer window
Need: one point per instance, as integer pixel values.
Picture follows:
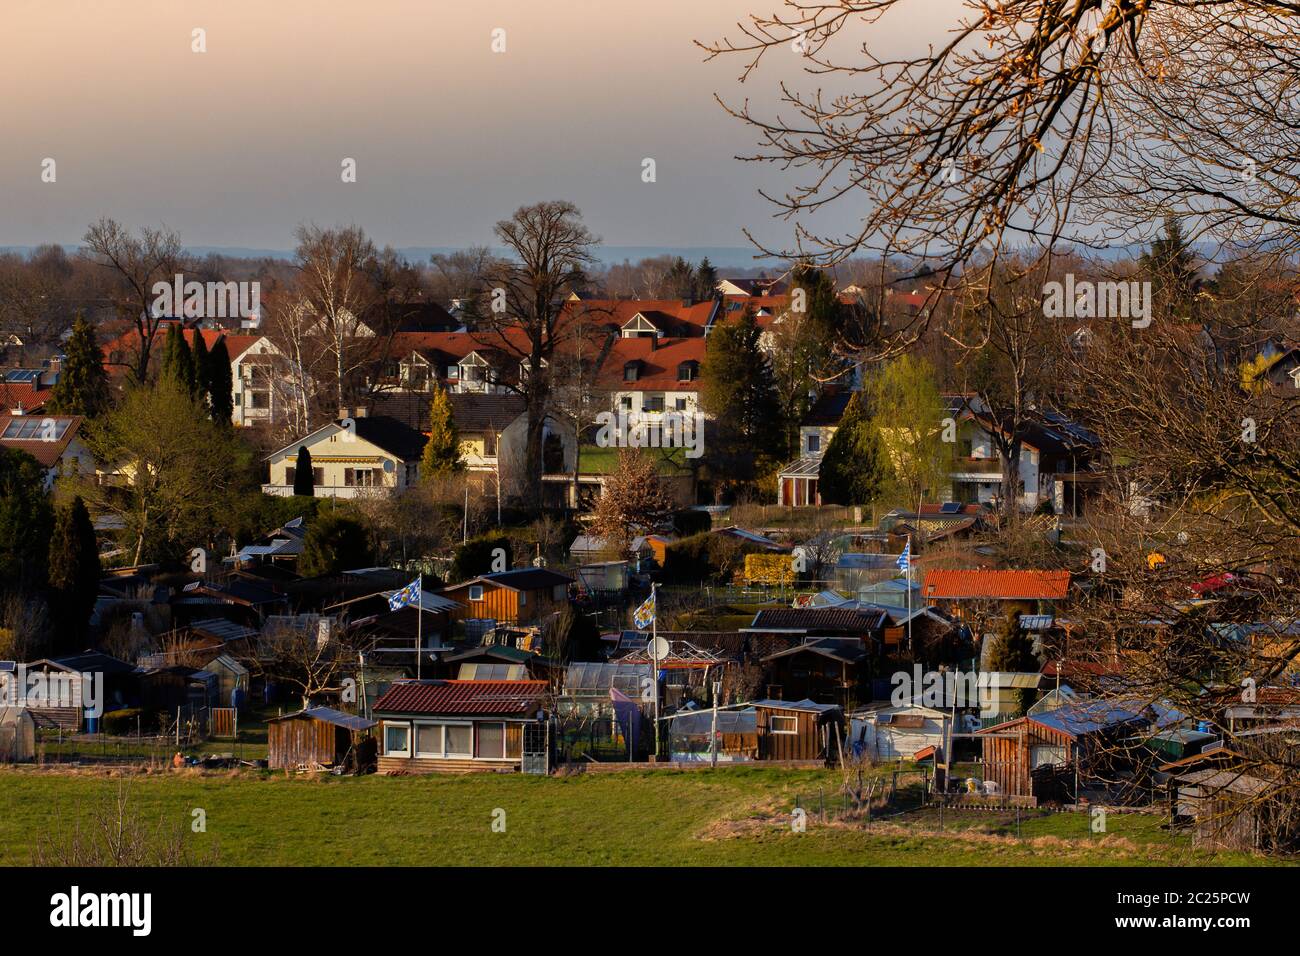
(688, 371)
(631, 371)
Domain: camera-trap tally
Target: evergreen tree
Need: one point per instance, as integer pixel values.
(220, 383)
(82, 388)
(736, 389)
(177, 360)
(1171, 267)
(199, 359)
(26, 518)
(855, 468)
(304, 481)
(706, 280)
(334, 544)
(74, 575)
(442, 451)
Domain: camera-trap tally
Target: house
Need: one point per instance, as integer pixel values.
(1035, 592)
(797, 481)
(887, 732)
(1054, 458)
(646, 376)
(691, 733)
(56, 442)
(798, 730)
(25, 391)
(265, 390)
(355, 456)
(515, 597)
(495, 662)
(281, 546)
(318, 737)
(456, 726)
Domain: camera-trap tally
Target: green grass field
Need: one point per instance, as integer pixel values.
(736, 816)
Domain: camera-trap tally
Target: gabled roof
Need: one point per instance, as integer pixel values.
(849, 620)
(520, 579)
(506, 698)
(388, 434)
(846, 652)
(27, 430)
(964, 584)
(804, 706)
(659, 361)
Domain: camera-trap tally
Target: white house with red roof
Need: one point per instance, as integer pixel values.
(55, 441)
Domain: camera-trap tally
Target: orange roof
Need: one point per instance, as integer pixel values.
(964, 584)
(47, 453)
(681, 319)
(15, 394)
(659, 360)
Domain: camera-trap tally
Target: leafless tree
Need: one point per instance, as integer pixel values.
(138, 261)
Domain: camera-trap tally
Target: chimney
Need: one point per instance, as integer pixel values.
(36, 381)
(345, 411)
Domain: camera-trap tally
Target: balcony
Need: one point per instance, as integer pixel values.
(977, 468)
(333, 491)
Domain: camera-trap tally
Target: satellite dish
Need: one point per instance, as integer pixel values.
(657, 648)
(388, 465)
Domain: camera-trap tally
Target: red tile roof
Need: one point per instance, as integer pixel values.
(507, 698)
(47, 453)
(15, 394)
(659, 362)
(996, 585)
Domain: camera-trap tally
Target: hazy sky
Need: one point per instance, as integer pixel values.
(235, 146)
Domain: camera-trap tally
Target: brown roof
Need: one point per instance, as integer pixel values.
(496, 697)
(852, 620)
(45, 452)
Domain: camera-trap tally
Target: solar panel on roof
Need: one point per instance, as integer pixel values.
(951, 507)
(31, 428)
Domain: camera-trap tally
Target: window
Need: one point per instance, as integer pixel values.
(290, 474)
(781, 724)
(460, 739)
(631, 371)
(681, 404)
(814, 443)
(476, 592)
(361, 477)
(428, 740)
(397, 740)
(654, 404)
(626, 402)
(523, 598)
(259, 399)
(491, 741)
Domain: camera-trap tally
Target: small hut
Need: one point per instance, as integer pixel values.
(315, 737)
(798, 730)
(17, 735)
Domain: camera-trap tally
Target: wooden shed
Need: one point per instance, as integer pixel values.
(1029, 755)
(797, 730)
(514, 597)
(1233, 810)
(317, 736)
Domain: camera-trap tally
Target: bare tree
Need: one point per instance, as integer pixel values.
(552, 249)
(138, 261)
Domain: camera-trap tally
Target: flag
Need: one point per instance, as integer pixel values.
(407, 596)
(904, 561)
(644, 616)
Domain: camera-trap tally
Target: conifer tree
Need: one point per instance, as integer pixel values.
(82, 388)
(442, 451)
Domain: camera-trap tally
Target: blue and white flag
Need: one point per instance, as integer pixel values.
(904, 561)
(407, 596)
(644, 616)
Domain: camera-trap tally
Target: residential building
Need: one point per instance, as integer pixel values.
(355, 456)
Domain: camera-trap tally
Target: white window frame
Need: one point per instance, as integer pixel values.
(771, 724)
(442, 738)
(479, 589)
(457, 723)
(404, 725)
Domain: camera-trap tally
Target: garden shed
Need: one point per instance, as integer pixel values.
(317, 736)
(17, 735)
(797, 730)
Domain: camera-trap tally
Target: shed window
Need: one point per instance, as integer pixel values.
(476, 592)
(428, 740)
(780, 724)
(460, 739)
(491, 741)
(397, 740)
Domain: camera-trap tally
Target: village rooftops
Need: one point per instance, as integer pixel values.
(452, 697)
(45, 438)
(968, 585)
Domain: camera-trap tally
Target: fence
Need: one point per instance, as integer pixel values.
(186, 729)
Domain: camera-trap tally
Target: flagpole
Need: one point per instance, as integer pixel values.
(908, 549)
(419, 627)
(654, 643)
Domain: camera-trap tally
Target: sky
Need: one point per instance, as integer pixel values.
(235, 146)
